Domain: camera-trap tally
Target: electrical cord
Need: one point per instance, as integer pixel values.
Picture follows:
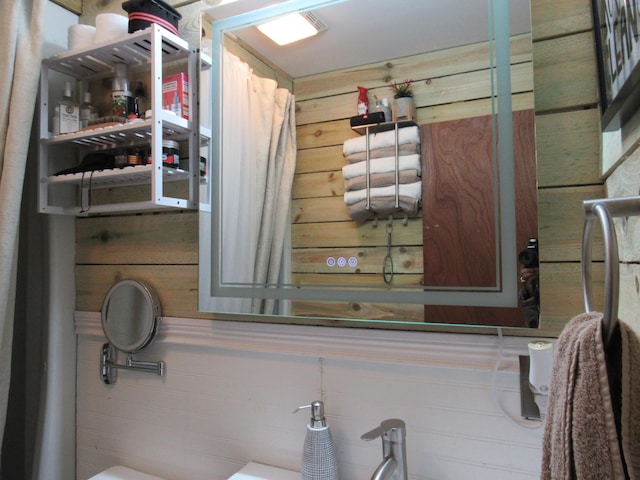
(528, 424)
(82, 209)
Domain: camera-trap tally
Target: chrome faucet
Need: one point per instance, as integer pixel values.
(394, 453)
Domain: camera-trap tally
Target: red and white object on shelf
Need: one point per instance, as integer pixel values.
(175, 94)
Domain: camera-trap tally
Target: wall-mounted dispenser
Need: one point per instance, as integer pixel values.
(535, 379)
(318, 456)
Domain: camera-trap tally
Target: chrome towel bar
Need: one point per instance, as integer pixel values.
(605, 210)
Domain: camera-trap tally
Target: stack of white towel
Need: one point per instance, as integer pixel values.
(382, 174)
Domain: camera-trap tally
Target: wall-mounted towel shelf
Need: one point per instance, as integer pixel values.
(605, 209)
(381, 154)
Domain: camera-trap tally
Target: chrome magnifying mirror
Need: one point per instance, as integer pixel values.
(131, 315)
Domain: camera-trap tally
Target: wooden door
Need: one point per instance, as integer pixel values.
(459, 220)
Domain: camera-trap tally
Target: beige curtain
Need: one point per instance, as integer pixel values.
(280, 165)
(257, 177)
(21, 23)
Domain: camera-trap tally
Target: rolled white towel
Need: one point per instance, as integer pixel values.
(377, 180)
(381, 140)
(413, 190)
(404, 149)
(382, 165)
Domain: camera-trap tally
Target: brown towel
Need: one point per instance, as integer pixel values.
(581, 440)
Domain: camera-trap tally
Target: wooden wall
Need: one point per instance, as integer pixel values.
(74, 6)
(568, 149)
(162, 248)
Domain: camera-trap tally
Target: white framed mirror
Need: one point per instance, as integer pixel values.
(328, 269)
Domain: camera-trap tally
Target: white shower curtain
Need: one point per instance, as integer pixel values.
(259, 152)
(21, 23)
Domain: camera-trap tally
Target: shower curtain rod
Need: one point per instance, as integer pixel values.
(605, 209)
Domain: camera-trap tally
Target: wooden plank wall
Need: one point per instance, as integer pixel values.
(74, 6)
(567, 142)
(624, 182)
(162, 248)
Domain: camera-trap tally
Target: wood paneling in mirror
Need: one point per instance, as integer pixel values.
(449, 85)
(458, 219)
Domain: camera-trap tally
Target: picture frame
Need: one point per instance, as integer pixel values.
(617, 38)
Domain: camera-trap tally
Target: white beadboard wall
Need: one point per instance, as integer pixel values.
(230, 388)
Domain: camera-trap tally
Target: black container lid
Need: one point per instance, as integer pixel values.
(148, 6)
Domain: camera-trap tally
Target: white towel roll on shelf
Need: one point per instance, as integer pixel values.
(80, 36)
(381, 140)
(411, 190)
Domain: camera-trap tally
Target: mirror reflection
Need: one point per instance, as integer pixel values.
(130, 315)
(318, 213)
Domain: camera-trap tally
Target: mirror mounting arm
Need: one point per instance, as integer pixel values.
(109, 365)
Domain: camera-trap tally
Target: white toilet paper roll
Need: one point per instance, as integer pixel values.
(80, 36)
(110, 26)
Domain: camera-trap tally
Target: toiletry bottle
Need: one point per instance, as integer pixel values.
(55, 122)
(386, 108)
(86, 110)
(383, 106)
(139, 99)
(121, 91)
(318, 456)
(68, 112)
(175, 104)
(363, 101)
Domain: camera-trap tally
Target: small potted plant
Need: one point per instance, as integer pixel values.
(404, 106)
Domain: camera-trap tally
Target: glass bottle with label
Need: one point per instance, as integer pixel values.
(68, 112)
(121, 96)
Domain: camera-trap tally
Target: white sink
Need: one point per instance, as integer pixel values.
(251, 471)
(258, 471)
(123, 473)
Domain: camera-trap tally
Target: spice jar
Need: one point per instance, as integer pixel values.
(134, 157)
(170, 154)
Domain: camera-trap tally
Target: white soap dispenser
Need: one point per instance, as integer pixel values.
(318, 456)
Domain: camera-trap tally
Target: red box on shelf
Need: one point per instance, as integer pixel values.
(175, 94)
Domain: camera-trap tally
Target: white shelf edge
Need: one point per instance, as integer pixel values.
(144, 205)
(109, 134)
(90, 62)
(129, 175)
(97, 132)
(206, 62)
(205, 132)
